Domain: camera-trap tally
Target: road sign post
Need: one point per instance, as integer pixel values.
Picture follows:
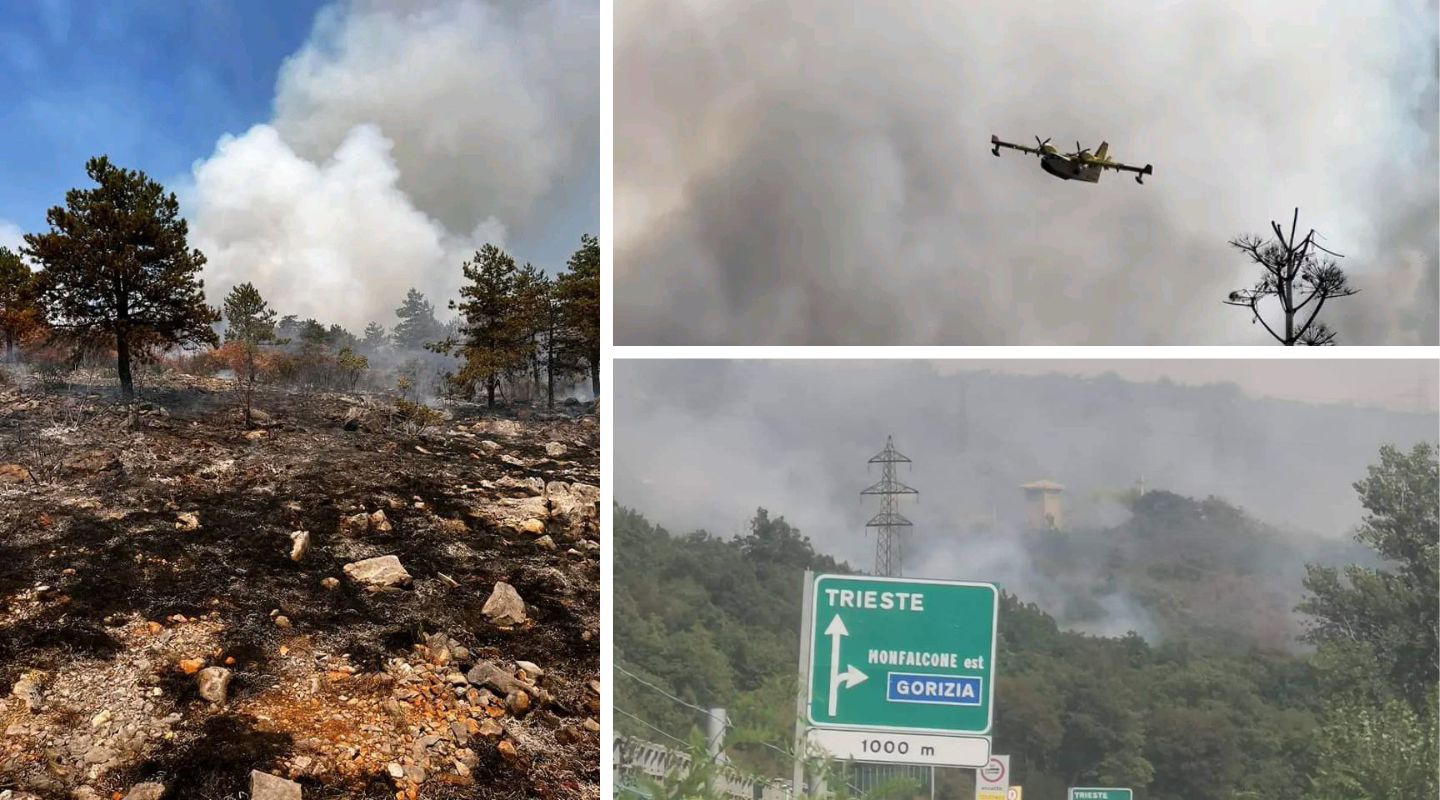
(992, 781)
(1091, 793)
(899, 670)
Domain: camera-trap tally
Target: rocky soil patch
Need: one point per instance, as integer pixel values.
(342, 606)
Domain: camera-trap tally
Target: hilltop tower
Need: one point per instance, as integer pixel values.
(1043, 511)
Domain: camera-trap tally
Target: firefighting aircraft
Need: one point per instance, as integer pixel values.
(1076, 166)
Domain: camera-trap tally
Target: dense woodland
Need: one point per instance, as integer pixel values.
(1217, 706)
(114, 280)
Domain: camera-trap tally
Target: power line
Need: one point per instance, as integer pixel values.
(725, 721)
(666, 694)
(672, 738)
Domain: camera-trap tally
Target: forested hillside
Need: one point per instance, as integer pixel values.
(1234, 695)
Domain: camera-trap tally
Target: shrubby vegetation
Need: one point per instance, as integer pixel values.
(114, 279)
(1191, 716)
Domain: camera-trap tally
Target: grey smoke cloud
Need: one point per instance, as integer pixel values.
(805, 174)
(702, 444)
(404, 136)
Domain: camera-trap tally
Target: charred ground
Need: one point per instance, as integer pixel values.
(111, 597)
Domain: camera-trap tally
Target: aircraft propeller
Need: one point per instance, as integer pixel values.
(1040, 143)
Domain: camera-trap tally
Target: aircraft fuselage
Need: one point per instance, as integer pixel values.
(1070, 170)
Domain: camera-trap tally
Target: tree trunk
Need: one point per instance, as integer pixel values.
(550, 383)
(249, 387)
(595, 378)
(490, 393)
(122, 363)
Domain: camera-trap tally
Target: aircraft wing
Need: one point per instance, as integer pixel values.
(1140, 172)
(996, 144)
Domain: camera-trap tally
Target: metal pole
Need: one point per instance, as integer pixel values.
(716, 721)
(802, 685)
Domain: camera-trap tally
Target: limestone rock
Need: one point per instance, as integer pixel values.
(556, 449)
(187, 521)
(264, 786)
(299, 545)
(504, 606)
(378, 573)
(486, 674)
(27, 689)
(214, 683)
(91, 462)
(146, 791)
(574, 508)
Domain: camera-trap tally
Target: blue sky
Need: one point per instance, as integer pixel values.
(151, 84)
(154, 85)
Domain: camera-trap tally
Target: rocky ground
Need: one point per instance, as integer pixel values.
(336, 602)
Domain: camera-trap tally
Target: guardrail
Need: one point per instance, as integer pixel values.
(657, 762)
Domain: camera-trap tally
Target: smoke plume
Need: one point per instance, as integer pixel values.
(404, 136)
(801, 173)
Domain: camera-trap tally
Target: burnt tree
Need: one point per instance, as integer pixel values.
(1297, 273)
(117, 268)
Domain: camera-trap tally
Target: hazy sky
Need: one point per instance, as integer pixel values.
(334, 155)
(790, 171)
(1394, 384)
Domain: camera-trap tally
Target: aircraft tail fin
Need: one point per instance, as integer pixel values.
(1103, 149)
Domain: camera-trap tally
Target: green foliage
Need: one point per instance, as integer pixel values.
(375, 338)
(1376, 636)
(498, 320)
(117, 268)
(417, 327)
(577, 295)
(20, 311)
(714, 622)
(249, 322)
(351, 366)
(1367, 752)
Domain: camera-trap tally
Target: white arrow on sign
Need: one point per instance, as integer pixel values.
(851, 677)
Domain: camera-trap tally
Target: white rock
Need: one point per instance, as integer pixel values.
(214, 682)
(378, 572)
(504, 607)
(299, 545)
(264, 786)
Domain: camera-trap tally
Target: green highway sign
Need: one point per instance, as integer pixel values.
(901, 655)
(1101, 794)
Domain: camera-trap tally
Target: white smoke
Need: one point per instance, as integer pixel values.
(405, 135)
(11, 236)
(800, 173)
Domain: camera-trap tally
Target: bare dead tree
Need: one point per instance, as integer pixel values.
(1292, 267)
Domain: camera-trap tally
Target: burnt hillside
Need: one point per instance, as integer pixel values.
(176, 605)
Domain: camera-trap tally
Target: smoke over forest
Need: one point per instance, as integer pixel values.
(703, 444)
(404, 137)
(789, 172)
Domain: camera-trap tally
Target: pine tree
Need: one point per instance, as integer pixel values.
(531, 309)
(375, 337)
(418, 326)
(117, 267)
(577, 292)
(250, 322)
(20, 311)
(492, 331)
